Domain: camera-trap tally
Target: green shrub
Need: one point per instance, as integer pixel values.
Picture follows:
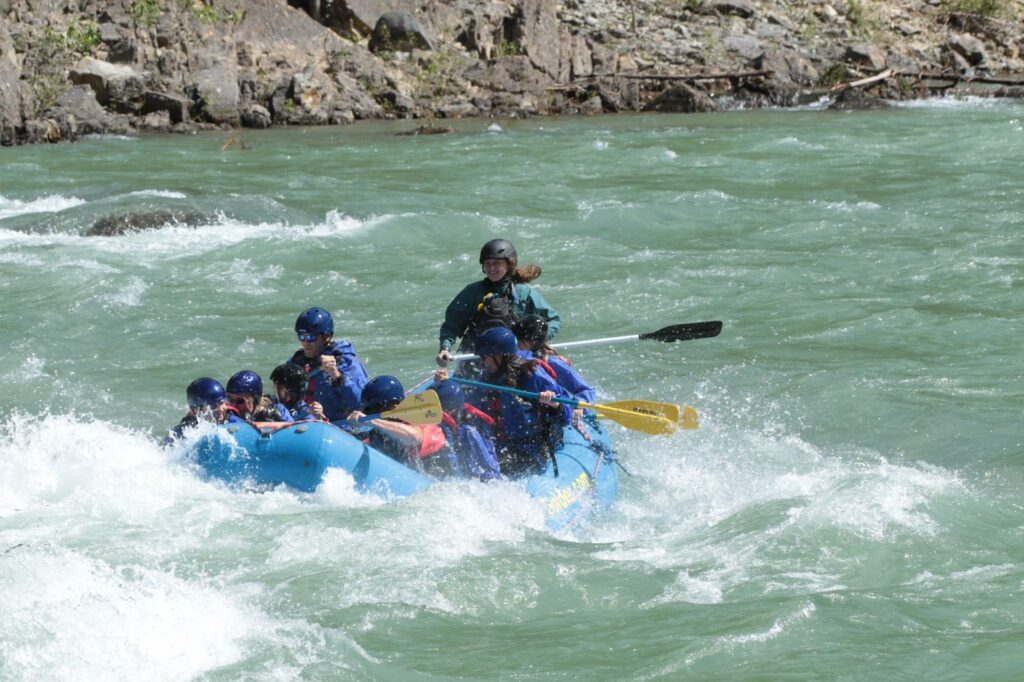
(145, 12)
(82, 38)
(985, 8)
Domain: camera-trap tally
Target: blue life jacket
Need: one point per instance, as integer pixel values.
(470, 450)
(530, 432)
(339, 397)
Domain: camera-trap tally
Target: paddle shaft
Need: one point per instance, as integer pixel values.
(675, 332)
(637, 421)
(517, 391)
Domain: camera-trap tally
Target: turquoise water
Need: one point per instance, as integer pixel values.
(850, 507)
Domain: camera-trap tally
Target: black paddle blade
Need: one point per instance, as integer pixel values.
(685, 332)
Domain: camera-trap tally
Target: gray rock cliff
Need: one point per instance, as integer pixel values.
(69, 68)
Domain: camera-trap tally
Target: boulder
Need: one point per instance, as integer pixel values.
(398, 32)
(77, 112)
(357, 18)
(116, 86)
(739, 8)
(970, 48)
(215, 86)
(856, 99)
(681, 98)
(157, 121)
(747, 47)
(311, 93)
(865, 54)
(121, 46)
(176, 106)
(457, 110)
(256, 116)
(788, 66)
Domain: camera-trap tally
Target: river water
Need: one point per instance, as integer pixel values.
(850, 507)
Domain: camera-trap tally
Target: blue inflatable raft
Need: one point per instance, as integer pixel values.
(298, 455)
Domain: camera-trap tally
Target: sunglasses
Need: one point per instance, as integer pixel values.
(308, 337)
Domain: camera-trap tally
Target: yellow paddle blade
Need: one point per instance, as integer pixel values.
(689, 419)
(419, 408)
(666, 410)
(645, 423)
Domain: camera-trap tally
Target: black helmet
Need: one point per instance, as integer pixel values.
(292, 377)
(532, 328)
(499, 248)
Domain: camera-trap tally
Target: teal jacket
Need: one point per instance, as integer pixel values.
(525, 300)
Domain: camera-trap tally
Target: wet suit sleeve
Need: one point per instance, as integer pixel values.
(458, 315)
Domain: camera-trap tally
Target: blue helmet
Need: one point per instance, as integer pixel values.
(246, 382)
(450, 394)
(497, 341)
(314, 321)
(205, 391)
(381, 393)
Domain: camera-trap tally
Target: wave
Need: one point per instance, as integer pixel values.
(162, 193)
(954, 101)
(218, 232)
(54, 203)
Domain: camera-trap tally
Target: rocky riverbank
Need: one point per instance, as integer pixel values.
(69, 68)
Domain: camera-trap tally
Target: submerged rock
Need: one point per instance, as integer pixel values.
(113, 226)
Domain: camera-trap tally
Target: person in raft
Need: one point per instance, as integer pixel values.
(290, 385)
(532, 333)
(469, 447)
(530, 430)
(245, 393)
(503, 292)
(336, 376)
(408, 443)
(207, 402)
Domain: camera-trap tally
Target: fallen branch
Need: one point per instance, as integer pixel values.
(862, 82)
(697, 77)
(674, 77)
(957, 78)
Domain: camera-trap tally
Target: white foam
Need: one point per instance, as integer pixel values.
(53, 203)
(111, 136)
(163, 193)
(797, 143)
(68, 616)
(955, 101)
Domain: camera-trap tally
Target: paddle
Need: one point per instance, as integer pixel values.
(688, 419)
(675, 332)
(644, 422)
(420, 408)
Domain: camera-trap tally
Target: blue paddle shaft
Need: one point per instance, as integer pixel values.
(513, 391)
